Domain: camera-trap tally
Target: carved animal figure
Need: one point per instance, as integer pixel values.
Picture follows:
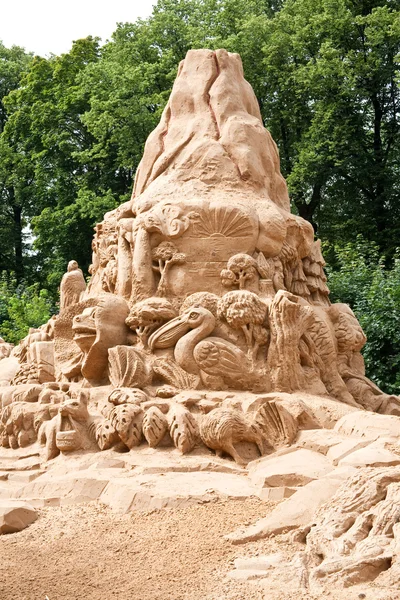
(5, 348)
(72, 285)
(96, 330)
(222, 428)
(73, 428)
(20, 422)
(196, 353)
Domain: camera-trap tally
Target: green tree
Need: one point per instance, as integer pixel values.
(21, 307)
(324, 73)
(46, 128)
(333, 105)
(14, 180)
(362, 280)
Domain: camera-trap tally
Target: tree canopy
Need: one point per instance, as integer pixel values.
(326, 76)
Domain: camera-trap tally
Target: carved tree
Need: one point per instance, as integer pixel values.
(288, 321)
(147, 315)
(164, 256)
(244, 310)
(241, 270)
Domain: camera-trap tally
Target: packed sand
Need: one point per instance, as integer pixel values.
(88, 552)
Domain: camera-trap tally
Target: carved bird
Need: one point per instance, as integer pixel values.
(217, 361)
(222, 428)
(72, 285)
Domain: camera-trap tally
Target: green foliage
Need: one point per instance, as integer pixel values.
(372, 289)
(14, 171)
(21, 307)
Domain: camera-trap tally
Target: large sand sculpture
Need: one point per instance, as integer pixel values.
(207, 327)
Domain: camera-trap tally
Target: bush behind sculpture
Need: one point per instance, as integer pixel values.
(363, 279)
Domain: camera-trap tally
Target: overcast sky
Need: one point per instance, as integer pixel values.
(50, 26)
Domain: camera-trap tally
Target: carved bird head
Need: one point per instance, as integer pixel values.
(72, 266)
(167, 335)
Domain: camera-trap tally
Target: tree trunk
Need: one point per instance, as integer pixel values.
(307, 210)
(18, 243)
(379, 210)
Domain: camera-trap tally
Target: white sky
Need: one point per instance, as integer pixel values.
(50, 26)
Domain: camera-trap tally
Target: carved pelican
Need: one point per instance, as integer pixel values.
(199, 354)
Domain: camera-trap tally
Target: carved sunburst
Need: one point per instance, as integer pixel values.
(225, 221)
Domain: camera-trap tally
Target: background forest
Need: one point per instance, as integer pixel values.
(326, 75)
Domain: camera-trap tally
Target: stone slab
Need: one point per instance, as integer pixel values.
(369, 425)
(23, 464)
(293, 469)
(275, 494)
(296, 511)
(172, 490)
(348, 446)
(373, 455)
(319, 440)
(257, 567)
(24, 476)
(15, 516)
(72, 488)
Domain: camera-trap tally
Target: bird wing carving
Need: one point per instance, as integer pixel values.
(216, 356)
(71, 287)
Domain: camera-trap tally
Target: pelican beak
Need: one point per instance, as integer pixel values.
(167, 335)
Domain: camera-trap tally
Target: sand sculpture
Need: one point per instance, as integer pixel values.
(207, 320)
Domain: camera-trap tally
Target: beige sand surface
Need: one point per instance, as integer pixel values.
(87, 552)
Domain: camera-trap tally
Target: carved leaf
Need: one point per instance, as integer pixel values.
(105, 435)
(127, 420)
(155, 426)
(126, 367)
(266, 268)
(174, 374)
(182, 428)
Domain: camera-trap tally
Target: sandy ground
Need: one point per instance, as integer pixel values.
(87, 552)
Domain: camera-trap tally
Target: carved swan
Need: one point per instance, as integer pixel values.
(199, 354)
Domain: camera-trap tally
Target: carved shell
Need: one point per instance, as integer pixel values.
(126, 367)
(182, 428)
(155, 426)
(276, 424)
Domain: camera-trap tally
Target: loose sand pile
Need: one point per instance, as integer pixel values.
(87, 552)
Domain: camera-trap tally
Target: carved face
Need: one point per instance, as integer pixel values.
(84, 328)
(96, 330)
(75, 408)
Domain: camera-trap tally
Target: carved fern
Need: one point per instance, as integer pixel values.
(126, 367)
(127, 420)
(173, 374)
(105, 434)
